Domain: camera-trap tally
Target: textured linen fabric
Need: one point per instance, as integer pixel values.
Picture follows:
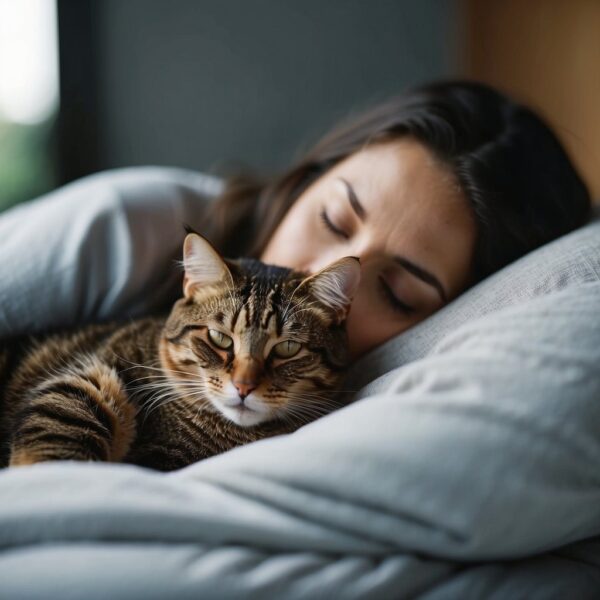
(483, 452)
(99, 248)
(467, 467)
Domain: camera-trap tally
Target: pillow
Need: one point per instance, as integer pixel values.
(487, 448)
(570, 260)
(99, 248)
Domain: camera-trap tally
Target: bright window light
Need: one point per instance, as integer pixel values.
(29, 86)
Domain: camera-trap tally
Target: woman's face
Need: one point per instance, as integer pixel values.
(403, 214)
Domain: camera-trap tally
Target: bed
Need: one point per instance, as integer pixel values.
(467, 464)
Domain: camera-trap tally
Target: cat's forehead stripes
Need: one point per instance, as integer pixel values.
(259, 301)
(253, 324)
(272, 311)
(264, 306)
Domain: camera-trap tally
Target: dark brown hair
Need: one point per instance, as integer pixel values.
(521, 185)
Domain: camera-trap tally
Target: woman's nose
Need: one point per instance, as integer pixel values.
(318, 265)
(324, 260)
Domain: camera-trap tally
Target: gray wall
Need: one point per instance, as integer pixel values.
(199, 83)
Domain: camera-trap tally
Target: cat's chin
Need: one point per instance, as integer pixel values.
(242, 415)
(248, 413)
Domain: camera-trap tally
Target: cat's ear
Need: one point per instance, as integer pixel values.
(202, 263)
(335, 285)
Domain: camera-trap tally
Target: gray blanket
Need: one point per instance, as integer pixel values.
(471, 471)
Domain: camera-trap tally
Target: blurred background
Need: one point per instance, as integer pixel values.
(87, 85)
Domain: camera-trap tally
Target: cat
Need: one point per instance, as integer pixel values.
(249, 351)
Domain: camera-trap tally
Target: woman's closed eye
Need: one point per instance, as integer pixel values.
(385, 291)
(394, 301)
(331, 227)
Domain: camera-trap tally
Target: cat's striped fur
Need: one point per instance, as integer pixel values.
(158, 392)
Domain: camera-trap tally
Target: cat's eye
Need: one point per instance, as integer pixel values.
(219, 339)
(287, 349)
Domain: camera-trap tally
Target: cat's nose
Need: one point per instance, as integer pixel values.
(244, 387)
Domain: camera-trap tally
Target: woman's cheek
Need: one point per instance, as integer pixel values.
(359, 326)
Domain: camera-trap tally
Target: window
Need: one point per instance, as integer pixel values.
(29, 99)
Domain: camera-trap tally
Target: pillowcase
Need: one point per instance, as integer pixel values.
(570, 260)
(99, 248)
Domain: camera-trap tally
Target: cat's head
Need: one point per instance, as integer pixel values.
(258, 342)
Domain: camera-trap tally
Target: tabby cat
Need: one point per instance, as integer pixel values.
(249, 351)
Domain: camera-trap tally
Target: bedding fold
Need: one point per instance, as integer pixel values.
(486, 450)
(471, 471)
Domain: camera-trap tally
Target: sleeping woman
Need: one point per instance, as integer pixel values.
(390, 216)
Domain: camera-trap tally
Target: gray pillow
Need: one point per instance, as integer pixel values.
(570, 260)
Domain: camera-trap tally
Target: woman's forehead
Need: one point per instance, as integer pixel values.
(412, 204)
(399, 169)
(399, 184)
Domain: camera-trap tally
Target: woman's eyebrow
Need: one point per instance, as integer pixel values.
(423, 275)
(357, 207)
(410, 266)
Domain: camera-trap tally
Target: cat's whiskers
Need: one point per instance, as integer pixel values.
(299, 311)
(287, 419)
(171, 394)
(151, 368)
(154, 385)
(294, 415)
(322, 405)
(284, 315)
(155, 377)
(305, 304)
(313, 403)
(155, 403)
(169, 383)
(203, 404)
(82, 361)
(231, 292)
(308, 409)
(326, 394)
(168, 390)
(229, 287)
(308, 404)
(306, 417)
(136, 365)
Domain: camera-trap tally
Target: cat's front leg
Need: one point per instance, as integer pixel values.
(83, 414)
